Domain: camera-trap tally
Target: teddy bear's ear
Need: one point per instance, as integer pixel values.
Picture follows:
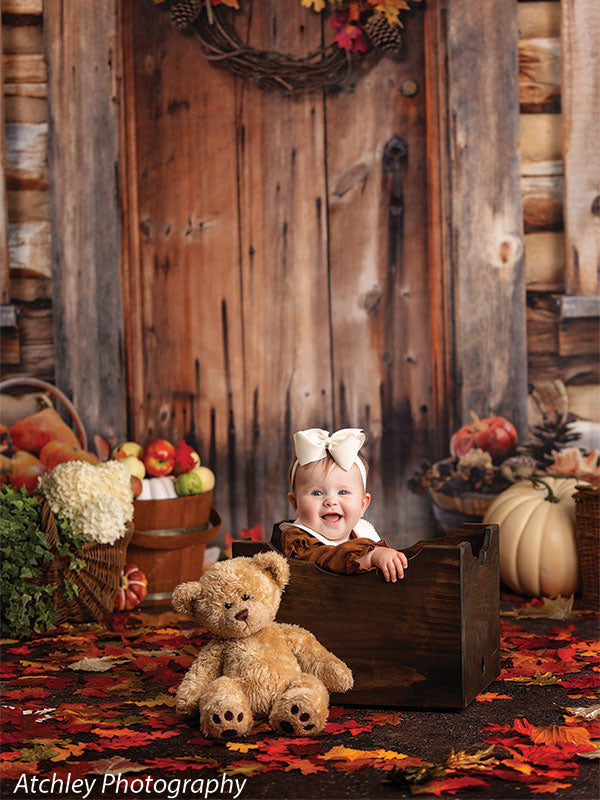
(184, 595)
(274, 565)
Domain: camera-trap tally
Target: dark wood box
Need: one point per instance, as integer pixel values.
(431, 640)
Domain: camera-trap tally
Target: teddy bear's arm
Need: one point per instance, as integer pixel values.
(317, 660)
(205, 669)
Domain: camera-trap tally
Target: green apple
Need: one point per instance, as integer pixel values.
(188, 483)
(134, 465)
(126, 449)
(207, 477)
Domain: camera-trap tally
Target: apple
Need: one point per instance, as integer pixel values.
(126, 449)
(188, 483)
(133, 587)
(158, 457)
(186, 458)
(134, 465)
(136, 486)
(207, 477)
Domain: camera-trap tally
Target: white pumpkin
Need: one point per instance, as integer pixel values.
(538, 550)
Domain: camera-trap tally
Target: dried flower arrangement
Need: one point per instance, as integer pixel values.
(360, 26)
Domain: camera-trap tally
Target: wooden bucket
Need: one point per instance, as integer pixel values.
(169, 540)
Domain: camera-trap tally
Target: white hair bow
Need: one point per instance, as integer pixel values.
(313, 444)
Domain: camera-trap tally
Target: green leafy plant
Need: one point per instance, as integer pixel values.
(27, 604)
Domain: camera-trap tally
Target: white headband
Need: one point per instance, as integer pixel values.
(313, 444)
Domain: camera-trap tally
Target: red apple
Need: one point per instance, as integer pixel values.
(186, 458)
(158, 457)
(132, 590)
(136, 486)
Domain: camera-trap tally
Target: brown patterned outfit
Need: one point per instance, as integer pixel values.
(297, 543)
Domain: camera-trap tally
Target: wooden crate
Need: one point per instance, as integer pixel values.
(431, 640)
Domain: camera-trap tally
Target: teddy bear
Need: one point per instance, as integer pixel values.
(254, 666)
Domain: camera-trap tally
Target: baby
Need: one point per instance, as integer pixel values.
(328, 480)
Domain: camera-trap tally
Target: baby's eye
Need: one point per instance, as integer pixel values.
(227, 605)
(343, 491)
(317, 492)
(245, 597)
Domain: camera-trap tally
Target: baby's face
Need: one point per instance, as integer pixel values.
(330, 503)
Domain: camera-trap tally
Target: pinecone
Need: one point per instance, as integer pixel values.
(383, 36)
(553, 434)
(184, 12)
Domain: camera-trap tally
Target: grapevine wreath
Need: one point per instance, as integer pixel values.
(359, 25)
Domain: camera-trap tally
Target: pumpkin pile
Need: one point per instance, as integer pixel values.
(34, 445)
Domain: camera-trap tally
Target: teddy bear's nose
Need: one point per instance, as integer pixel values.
(242, 615)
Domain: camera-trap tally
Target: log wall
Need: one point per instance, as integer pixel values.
(27, 329)
(561, 226)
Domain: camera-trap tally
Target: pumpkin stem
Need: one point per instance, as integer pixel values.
(550, 497)
(477, 423)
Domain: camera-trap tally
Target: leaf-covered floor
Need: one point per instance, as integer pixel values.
(96, 704)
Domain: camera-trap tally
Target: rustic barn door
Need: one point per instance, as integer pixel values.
(277, 276)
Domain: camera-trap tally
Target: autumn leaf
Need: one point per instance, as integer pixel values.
(554, 734)
(589, 712)
(539, 679)
(97, 664)
(551, 787)
(384, 718)
(244, 768)
(241, 747)
(116, 765)
(451, 785)
(305, 766)
(481, 760)
(487, 697)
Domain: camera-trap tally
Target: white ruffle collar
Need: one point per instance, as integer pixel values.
(363, 529)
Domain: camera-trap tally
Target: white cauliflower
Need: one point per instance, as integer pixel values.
(95, 499)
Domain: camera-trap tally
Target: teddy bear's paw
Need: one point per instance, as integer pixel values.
(336, 676)
(226, 722)
(299, 712)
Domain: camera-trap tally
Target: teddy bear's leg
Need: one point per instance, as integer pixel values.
(301, 710)
(224, 710)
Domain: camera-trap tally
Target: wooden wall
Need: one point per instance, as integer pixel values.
(27, 331)
(557, 149)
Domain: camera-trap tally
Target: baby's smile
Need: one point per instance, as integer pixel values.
(329, 502)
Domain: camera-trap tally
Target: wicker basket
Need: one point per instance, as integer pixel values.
(471, 504)
(97, 582)
(587, 534)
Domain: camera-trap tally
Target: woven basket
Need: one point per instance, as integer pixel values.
(471, 505)
(587, 534)
(97, 582)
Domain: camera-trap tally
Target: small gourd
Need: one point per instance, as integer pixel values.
(538, 550)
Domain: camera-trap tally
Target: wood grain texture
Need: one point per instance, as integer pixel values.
(4, 258)
(29, 249)
(248, 271)
(84, 209)
(26, 155)
(540, 139)
(538, 18)
(486, 211)
(25, 68)
(436, 641)
(581, 123)
(545, 261)
(542, 203)
(539, 75)
(379, 280)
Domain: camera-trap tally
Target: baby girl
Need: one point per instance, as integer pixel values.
(328, 480)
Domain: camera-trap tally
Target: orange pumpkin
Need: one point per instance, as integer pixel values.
(33, 432)
(56, 452)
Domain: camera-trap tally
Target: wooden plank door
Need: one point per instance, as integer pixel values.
(277, 275)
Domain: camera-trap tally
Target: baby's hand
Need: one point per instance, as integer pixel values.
(391, 562)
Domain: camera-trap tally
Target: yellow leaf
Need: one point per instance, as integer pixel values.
(518, 765)
(482, 759)
(241, 747)
(344, 753)
(102, 664)
(250, 768)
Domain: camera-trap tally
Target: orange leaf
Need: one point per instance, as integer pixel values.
(542, 788)
(488, 696)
